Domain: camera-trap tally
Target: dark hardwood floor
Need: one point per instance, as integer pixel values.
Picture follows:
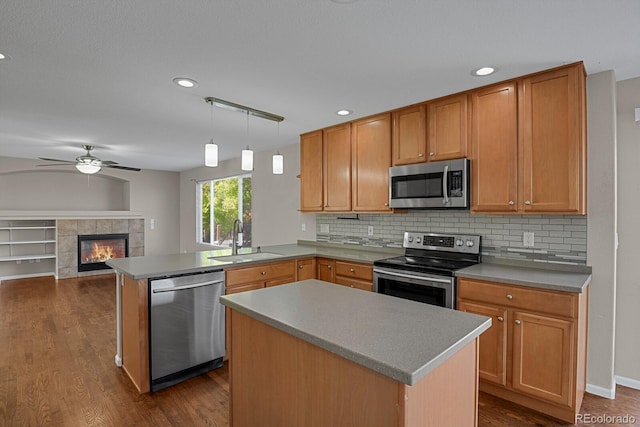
(57, 347)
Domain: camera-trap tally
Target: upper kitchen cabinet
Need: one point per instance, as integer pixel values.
(370, 162)
(337, 168)
(528, 145)
(311, 198)
(552, 110)
(494, 149)
(409, 138)
(447, 132)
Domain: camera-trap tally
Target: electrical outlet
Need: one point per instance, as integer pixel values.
(304, 227)
(370, 230)
(152, 224)
(528, 239)
(324, 228)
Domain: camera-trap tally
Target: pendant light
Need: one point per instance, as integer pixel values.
(247, 154)
(211, 148)
(278, 159)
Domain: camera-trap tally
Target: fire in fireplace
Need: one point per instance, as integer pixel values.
(95, 249)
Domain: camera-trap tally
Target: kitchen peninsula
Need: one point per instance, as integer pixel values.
(312, 353)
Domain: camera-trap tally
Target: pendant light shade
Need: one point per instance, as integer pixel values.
(247, 159)
(278, 164)
(211, 154)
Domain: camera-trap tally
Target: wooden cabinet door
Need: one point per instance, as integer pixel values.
(370, 162)
(493, 342)
(227, 313)
(494, 149)
(553, 142)
(337, 168)
(409, 138)
(306, 269)
(326, 270)
(448, 130)
(542, 356)
(311, 197)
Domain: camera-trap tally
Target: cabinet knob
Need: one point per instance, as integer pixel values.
(527, 202)
(264, 273)
(518, 322)
(301, 266)
(511, 203)
(329, 267)
(509, 296)
(420, 155)
(351, 286)
(386, 204)
(432, 153)
(500, 319)
(352, 270)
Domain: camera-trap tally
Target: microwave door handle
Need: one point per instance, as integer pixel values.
(445, 185)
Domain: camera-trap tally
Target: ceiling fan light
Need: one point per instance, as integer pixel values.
(247, 160)
(211, 154)
(278, 164)
(88, 168)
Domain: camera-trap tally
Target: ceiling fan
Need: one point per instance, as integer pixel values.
(89, 164)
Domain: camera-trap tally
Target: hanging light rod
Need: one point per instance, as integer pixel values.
(228, 105)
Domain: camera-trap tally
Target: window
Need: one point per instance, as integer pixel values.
(220, 203)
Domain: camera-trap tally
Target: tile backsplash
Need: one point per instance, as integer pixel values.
(557, 238)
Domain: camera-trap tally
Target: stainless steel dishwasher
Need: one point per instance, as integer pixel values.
(186, 327)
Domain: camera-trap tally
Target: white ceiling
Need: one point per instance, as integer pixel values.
(100, 72)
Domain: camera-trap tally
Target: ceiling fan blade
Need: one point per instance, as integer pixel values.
(57, 160)
(59, 164)
(108, 162)
(122, 167)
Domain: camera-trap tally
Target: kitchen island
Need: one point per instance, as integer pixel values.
(312, 353)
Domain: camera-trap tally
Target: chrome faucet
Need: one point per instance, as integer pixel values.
(237, 228)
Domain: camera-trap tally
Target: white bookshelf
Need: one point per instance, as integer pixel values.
(27, 248)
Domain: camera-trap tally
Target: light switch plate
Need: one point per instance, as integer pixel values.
(528, 239)
(370, 230)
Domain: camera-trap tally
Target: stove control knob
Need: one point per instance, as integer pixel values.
(459, 242)
(418, 239)
(410, 239)
(470, 243)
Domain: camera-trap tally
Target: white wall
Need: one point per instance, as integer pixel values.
(601, 230)
(275, 203)
(153, 193)
(627, 356)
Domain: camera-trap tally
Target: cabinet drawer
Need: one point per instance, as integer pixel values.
(354, 283)
(557, 303)
(262, 272)
(354, 270)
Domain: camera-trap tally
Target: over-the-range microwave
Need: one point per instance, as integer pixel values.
(431, 185)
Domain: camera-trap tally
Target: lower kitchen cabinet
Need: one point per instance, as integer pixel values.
(352, 274)
(306, 269)
(241, 279)
(534, 354)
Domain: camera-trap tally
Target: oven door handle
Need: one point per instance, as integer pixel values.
(408, 276)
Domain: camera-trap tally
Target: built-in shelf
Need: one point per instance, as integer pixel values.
(27, 248)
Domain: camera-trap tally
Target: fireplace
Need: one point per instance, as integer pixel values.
(95, 249)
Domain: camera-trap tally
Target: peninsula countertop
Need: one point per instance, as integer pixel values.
(399, 338)
(145, 267)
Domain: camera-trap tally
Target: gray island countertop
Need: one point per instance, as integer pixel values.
(401, 339)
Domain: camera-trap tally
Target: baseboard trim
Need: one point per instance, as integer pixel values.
(627, 382)
(601, 391)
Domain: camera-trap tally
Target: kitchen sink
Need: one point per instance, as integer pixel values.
(256, 256)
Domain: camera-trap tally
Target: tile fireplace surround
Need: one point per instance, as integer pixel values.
(69, 229)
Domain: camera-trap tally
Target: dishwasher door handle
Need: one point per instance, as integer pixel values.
(184, 287)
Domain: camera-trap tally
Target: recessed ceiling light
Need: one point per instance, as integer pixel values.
(343, 112)
(483, 71)
(185, 82)
(3, 56)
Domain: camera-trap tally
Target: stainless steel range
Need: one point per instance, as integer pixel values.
(426, 272)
